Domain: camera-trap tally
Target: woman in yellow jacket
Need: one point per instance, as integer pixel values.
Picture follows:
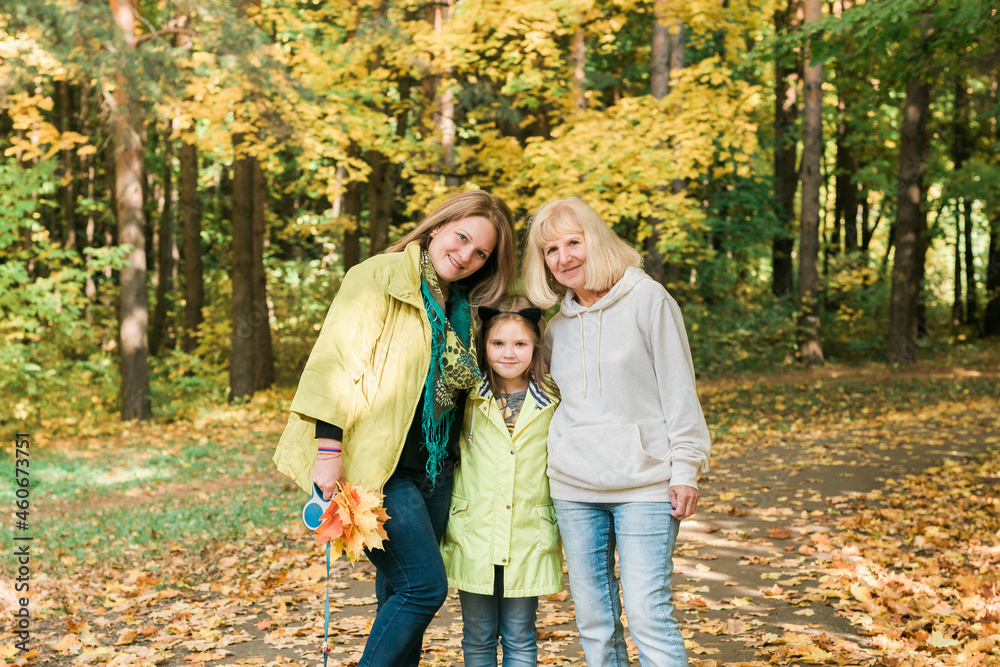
(376, 402)
(501, 548)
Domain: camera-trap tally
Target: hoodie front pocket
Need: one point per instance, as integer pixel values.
(458, 515)
(605, 457)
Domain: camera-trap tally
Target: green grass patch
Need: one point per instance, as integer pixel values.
(92, 473)
(147, 532)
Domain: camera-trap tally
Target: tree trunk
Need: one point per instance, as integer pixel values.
(87, 168)
(382, 181)
(263, 372)
(443, 100)
(991, 317)
(194, 287)
(133, 312)
(960, 153)
(971, 299)
(165, 267)
(812, 155)
(446, 106)
(666, 56)
(963, 145)
(907, 269)
(957, 311)
(847, 164)
(351, 209)
(579, 56)
(64, 95)
(846, 215)
(149, 201)
(381, 191)
(659, 78)
(786, 180)
(241, 363)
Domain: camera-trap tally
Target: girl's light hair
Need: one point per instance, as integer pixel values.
(608, 256)
(496, 276)
(536, 370)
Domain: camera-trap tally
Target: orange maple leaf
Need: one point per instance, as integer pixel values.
(354, 521)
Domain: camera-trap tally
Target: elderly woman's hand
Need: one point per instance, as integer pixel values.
(684, 500)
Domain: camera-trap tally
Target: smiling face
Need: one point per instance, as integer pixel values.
(509, 350)
(460, 248)
(566, 259)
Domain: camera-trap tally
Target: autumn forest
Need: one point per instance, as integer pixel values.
(185, 183)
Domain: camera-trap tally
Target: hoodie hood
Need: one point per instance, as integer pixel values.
(570, 307)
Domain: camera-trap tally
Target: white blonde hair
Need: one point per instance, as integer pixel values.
(608, 256)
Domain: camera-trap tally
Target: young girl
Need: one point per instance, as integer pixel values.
(501, 545)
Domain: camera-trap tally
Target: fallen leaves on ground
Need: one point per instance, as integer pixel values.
(910, 570)
(917, 566)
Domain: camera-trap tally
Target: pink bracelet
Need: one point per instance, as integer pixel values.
(329, 450)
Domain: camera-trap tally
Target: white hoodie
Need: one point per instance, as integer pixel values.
(630, 424)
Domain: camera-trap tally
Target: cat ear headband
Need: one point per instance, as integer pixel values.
(532, 314)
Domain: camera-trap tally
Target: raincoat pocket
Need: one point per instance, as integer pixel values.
(458, 516)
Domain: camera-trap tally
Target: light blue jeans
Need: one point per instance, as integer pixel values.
(486, 617)
(644, 534)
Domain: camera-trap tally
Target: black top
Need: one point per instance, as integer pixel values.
(413, 459)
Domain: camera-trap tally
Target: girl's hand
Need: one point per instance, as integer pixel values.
(684, 500)
(328, 470)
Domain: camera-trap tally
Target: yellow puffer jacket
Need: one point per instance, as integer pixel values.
(501, 512)
(366, 372)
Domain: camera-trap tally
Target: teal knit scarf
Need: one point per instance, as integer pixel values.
(453, 367)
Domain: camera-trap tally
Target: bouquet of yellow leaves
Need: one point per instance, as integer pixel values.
(354, 520)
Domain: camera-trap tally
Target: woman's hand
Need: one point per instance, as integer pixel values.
(328, 470)
(684, 500)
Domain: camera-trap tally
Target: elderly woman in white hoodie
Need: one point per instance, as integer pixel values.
(629, 439)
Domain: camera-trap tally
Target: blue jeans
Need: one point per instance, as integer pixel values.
(410, 581)
(644, 534)
(485, 617)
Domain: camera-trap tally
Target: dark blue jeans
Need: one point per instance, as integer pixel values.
(410, 581)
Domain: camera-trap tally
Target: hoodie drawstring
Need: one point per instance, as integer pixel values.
(600, 327)
(583, 352)
(583, 355)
